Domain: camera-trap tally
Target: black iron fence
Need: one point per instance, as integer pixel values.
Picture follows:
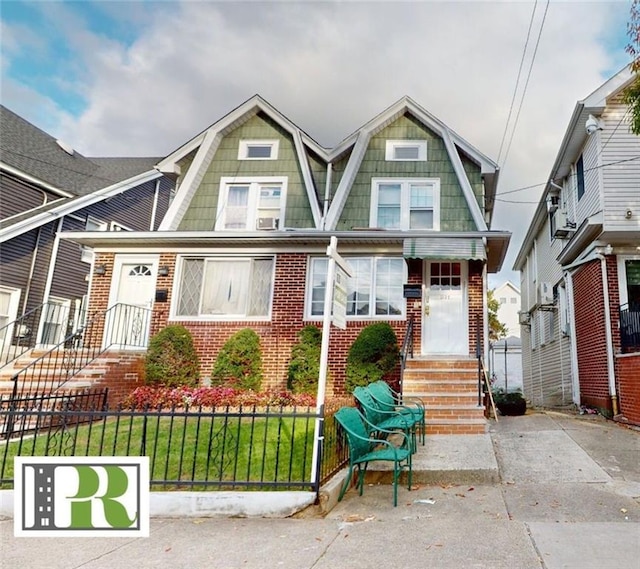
(630, 328)
(252, 448)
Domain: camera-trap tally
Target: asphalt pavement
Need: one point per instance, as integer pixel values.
(565, 494)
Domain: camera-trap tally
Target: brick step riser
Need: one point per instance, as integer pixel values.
(424, 390)
(456, 429)
(449, 400)
(454, 414)
(442, 364)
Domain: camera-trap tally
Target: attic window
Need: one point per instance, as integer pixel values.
(406, 151)
(258, 149)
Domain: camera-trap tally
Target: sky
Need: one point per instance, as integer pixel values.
(116, 78)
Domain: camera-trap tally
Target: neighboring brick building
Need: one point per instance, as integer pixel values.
(580, 265)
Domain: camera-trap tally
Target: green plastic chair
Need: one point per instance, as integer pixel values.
(364, 449)
(384, 419)
(390, 400)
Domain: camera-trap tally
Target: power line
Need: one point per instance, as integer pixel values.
(515, 89)
(526, 85)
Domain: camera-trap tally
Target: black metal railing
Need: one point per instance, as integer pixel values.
(188, 448)
(630, 328)
(406, 351)
(19, 336)
(122, 325)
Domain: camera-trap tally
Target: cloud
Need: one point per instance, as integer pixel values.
(331, 67)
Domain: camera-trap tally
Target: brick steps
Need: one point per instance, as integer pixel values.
(448, 388)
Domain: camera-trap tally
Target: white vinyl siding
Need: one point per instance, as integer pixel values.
(621, 182)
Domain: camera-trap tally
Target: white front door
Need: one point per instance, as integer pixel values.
(445, 329)
(132, 293)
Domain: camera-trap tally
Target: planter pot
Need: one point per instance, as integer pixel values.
(512, 407)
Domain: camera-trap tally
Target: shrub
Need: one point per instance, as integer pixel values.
(239, 363)
(171, 358)
(372, 356)
(304, 368)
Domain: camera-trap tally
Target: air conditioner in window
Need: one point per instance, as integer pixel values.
(545, 295)
(524, 318)
(265, 223)
(562, 227)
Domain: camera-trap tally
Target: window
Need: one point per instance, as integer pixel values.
(258, 149)
(375, 289)
(513, 300)
(250, 204)
(405, 204)
(92, 224)
(503, 300)
(225, 287)
(580, 176)
(406, 150)
(9, 299)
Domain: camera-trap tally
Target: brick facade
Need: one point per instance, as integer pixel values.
(628, 375)
(279, 334)
(591, 336)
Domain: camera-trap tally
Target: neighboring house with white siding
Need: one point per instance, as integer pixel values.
(508, 295)
(580, 265)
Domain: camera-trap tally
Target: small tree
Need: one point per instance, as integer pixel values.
(497, 329)
(239, 363)
(304, 368)
(373, 355)
(631, 94)
(172, 359)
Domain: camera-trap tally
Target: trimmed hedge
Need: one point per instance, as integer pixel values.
(171, 358)
(304, 367)
(239, 362)
(373, 356)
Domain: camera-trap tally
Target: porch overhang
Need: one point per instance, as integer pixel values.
(492, 244)
(466, 248)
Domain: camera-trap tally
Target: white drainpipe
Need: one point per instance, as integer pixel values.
(609, 340)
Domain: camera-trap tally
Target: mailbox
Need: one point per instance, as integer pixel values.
(412, 291)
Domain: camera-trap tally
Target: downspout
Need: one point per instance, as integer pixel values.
(327, 191)
(607, 323)
(32, 268)
(154, 207)
(575, 374)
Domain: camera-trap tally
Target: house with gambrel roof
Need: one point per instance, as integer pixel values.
(243, 245)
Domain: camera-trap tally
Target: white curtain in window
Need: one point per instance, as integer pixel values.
(237, 207)
(226, 286)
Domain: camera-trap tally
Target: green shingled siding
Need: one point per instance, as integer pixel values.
(454, 212)
(201, 214)
(319, 174)
(475, 178)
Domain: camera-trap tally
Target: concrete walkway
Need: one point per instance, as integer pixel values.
(543, 491)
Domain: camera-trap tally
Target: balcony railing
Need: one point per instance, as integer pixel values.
(630, 328)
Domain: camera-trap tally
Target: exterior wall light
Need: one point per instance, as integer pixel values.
(100, 270)
(163, 271)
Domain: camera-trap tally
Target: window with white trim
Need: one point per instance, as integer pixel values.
(91, 224)
(374, 290)
(406, 150)
(405, 204)
(258, 149)
(225, 287)
(248, 204)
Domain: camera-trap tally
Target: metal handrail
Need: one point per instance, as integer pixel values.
(407, 349)
(20, 335)
(122, 325)
(629, 327)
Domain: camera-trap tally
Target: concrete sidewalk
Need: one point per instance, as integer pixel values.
(565, 493)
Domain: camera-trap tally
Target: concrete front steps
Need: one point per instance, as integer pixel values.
(449, 389)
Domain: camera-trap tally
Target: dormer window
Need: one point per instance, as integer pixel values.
(412, 203)
(406, 151)
(250, 204)
(258, 149)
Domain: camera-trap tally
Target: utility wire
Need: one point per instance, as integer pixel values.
(515, 89)
(526, 85)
